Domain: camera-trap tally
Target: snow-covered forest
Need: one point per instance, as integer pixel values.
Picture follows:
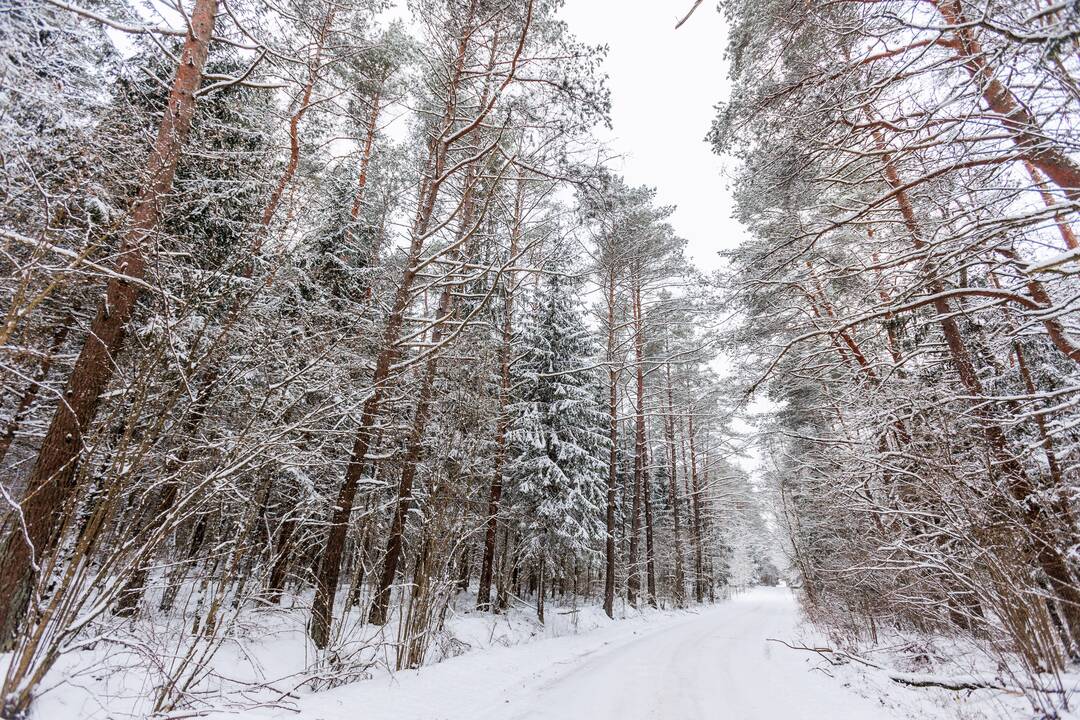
(337, 345)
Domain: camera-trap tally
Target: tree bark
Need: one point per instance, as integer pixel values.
(365, 157)
(699, 521)
(641, 469)
(314, 68)
(1015, 116)
(361, 183)
(127, 603)
(1054, 329)
(680, 574)
(613, 453)
(1033, 516)
(1068, 235)
(541, 573)
(431, 185)
(329, 570)
(395, 540)
(633, 580)
(483, 595)
(51, 482)
(60, 334)
(282, 554)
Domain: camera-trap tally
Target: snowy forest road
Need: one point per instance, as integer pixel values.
(714, 665)
(718, 666)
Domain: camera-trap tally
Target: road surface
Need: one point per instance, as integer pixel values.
(713, 665)
(719, 666)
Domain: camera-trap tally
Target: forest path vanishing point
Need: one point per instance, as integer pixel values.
(715, 665)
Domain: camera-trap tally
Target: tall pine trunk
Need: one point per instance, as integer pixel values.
(52, 479)
(483, 595)
(329, 570)
(1015, 116)
(438, 150)
(699, 520)
(1045, 546)
(127, 602)
(395, 540)
(613, 453)
(679, 593)
(642, 494)
(59, 335)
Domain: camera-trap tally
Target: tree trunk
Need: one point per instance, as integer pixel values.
(483, 595)
(132, 592)
(633, 579)
(1054, 329)
(431, 185)
(314, 68)
(463, 571)
(613, 453)
(381, 602)
(641, 470)
(680, 575)
(329, 570)
(650, 562)
(51, 482)
(1015, 116)
(395, 540)
(365, 159)
(1068, 236)
(541, 575)
(699, 529)
(60, 334)
(1033, 516)
(282, 555)
(361, 183)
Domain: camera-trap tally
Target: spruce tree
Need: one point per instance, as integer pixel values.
(557, 434)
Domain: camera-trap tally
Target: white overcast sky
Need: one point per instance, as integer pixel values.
(664, 85)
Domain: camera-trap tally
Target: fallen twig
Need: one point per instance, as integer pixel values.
(947, 682)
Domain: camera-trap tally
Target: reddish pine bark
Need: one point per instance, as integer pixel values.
(314, 68)
(699, 520)
(1053, 465)
(365, 160)
(642, 492)
(483, 595)
(127, 603)
(844, 335)
(1045, 545)
(633, 582)
(329, 571)
(1068, 236)
(430, 186)
(1054, 329)
(1015, 116)
(30, 394)
(395, 540)
(673, 493)
(613, 453)
(51, 482)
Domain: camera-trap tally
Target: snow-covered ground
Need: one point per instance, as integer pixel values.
(715, 664)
